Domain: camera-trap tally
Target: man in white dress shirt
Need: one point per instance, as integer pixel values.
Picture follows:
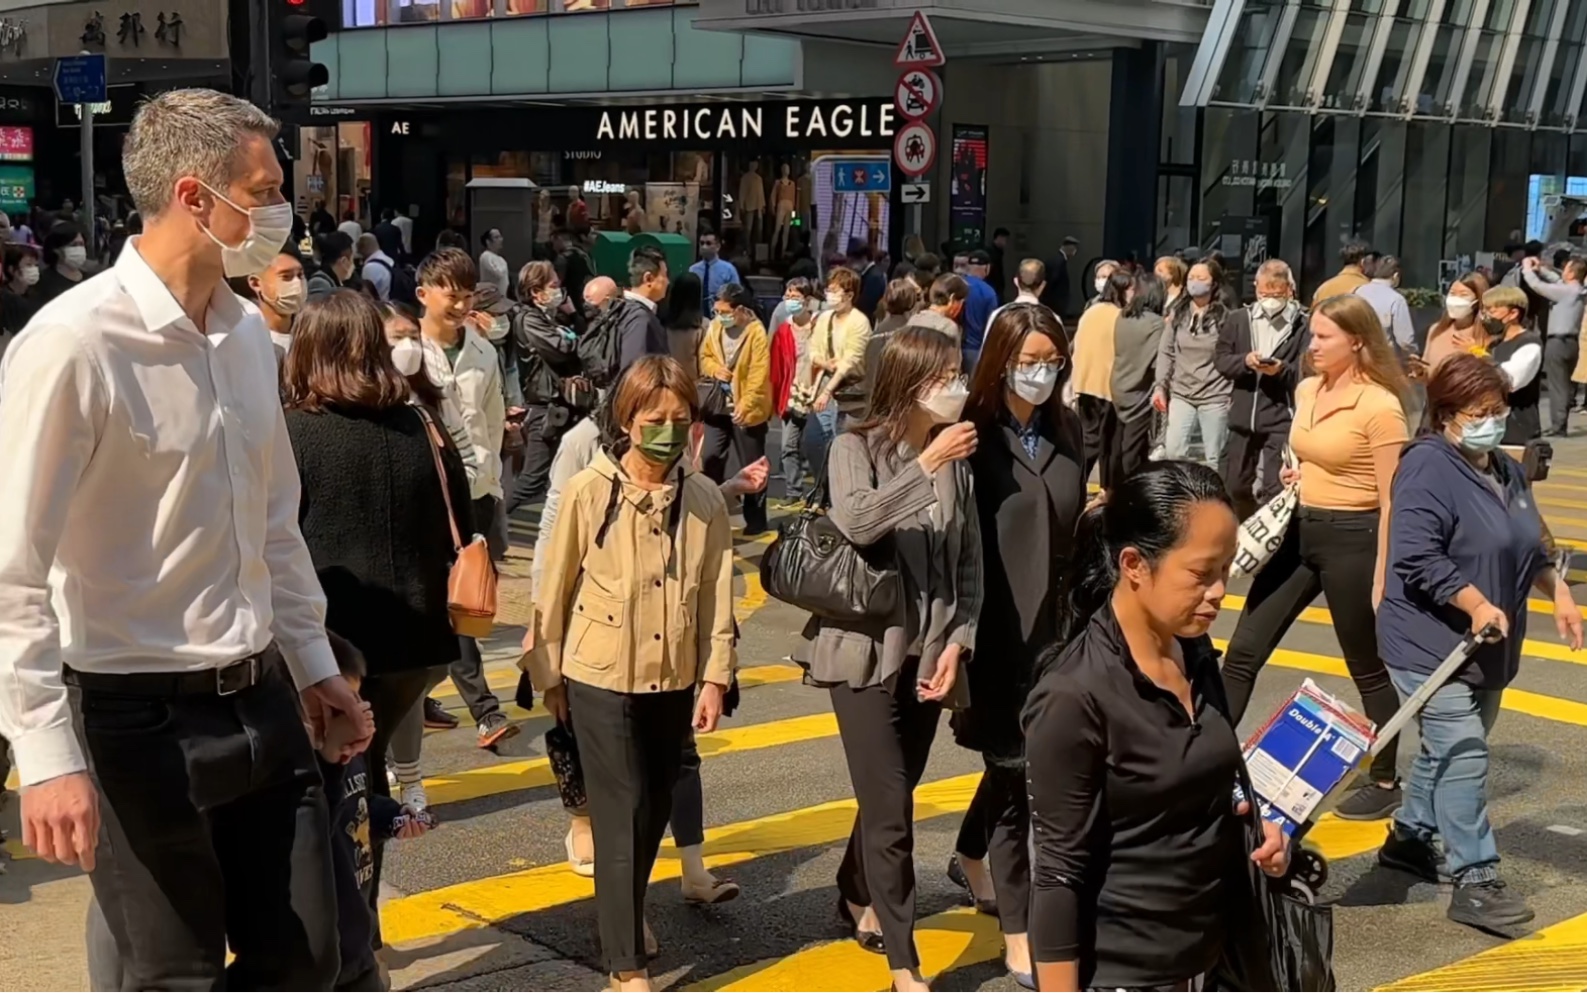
(152, 500)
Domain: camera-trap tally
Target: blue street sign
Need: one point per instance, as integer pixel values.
(80, 79)
(862, 176)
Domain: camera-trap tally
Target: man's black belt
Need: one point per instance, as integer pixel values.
(233, 677)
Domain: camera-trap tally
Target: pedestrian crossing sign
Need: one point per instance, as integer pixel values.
(920, 48)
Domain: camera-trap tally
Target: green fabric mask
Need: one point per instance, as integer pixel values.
(663, 443)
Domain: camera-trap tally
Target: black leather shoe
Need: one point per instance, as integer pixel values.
(871, 941)
(958, 878)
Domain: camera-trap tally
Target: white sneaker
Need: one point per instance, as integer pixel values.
(413, 795)
(391, 778)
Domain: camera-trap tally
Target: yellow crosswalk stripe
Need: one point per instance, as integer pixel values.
(1554, 958)
(1536, 649)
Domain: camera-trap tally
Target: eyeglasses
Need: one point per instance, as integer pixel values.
(1033, 365)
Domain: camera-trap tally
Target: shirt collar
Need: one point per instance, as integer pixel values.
(650, 304)
(1025, 296)
(154, 300)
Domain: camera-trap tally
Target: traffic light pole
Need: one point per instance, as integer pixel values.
(86, 135)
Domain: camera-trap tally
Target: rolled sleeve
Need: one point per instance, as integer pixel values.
(53, 404)
(297, 602)
(714, 620)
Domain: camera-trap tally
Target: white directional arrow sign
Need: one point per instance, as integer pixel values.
(915, 193)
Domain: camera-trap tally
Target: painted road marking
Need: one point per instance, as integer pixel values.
(1537, 649)
(1566, 830)
(1554, 958)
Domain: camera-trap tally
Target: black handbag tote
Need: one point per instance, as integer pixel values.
(812, 566)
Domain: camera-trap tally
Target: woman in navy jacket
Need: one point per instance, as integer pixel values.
(1465, 546)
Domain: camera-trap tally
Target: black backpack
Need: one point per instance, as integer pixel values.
(404, 287)
(600, 346)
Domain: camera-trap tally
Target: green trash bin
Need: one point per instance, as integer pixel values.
(612, 249)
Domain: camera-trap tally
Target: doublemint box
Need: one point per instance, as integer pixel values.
(1305, 752)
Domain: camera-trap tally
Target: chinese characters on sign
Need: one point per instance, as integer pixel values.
(16, 144)
(1262, 175)
(16, 187)
(168, 27)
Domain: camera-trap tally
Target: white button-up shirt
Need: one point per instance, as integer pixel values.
(151, 503)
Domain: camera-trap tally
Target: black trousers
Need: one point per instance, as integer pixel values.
(631, 745)
(1241, 454)
(749, 444)
(1332, 552)
(534, 479)
(688, 796)
(1559, 361)
(997, 824)
(887, 733)
(1099, 422)
(390, 696)
(1134, 441)
(215, 834)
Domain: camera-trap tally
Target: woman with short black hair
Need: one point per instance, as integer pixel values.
(65, 259)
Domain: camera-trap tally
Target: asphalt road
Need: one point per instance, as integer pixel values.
(486, 902)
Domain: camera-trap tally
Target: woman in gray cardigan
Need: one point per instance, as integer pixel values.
(900, 476)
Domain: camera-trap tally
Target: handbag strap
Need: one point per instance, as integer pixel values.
(433, 436)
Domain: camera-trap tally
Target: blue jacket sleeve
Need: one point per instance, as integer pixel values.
(1421, 525)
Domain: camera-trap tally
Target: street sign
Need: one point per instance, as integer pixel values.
(915, 148)
(918, 94)
(920, 48)
(80, 79)
(915, 193)
(862, 176)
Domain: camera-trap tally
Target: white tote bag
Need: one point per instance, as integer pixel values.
(1262, 533)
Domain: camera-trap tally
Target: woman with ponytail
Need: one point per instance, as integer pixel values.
(1132, 760)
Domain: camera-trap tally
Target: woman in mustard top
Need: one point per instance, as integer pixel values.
(737, 352)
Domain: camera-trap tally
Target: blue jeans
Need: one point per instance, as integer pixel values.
(1447, 794)
(1183, 417)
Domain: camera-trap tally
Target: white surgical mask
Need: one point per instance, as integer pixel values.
(555, 300)
(75, 256)
(1273, 306)
(1459, 306)
(1198, 288)
(1484, 435)
(499, 326)
(946, 403)
(268, 229)
(30, 275)
(1034, 384)
(408, 356)
(1101, 283)
(289, 297)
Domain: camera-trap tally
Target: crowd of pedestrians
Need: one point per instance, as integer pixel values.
(255, 497)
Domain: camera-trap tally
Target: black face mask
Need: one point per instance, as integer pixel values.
(1493, 326)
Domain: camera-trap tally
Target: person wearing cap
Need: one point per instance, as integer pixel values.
(978, 308)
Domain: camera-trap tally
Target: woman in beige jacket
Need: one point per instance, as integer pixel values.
(1093, 371)
(635, 611)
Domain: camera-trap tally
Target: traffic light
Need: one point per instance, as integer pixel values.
(293, 72)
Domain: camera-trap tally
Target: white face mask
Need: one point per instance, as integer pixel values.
(554, 301)
(1034, 384)
(30, 275)
(289, 297)
(499, 326)
(1459, 306)
(1101, 283)
(408, 356)
(268, 229)
(946, 403)
(75, 256)
(1273, 306)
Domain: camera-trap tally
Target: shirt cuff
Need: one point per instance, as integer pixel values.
(311, 663)
(48, 753)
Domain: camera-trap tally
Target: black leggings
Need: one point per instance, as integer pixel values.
(997, 824)
(1333, 552)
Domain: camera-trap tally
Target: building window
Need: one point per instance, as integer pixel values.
(378, 13)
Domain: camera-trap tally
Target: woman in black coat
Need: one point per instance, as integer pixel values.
(374, 505)
(1030, 490)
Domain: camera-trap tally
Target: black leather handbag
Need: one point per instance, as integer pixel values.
(812, 566)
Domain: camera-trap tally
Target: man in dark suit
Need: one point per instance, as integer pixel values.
(1056, 293)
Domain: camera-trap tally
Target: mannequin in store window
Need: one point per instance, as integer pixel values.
(752, 201)
(804, 205)
(784, 196)
(634, 213)
(545, 217)
(578, 211)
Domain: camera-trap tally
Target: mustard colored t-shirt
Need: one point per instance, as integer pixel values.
(1336, 450)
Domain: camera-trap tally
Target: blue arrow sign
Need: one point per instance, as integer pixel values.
(80, 79)
(862, 176)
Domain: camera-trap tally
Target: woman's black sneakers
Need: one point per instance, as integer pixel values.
(1369, 803)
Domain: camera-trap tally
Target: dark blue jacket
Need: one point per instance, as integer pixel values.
(977, 311)
(1450, 528)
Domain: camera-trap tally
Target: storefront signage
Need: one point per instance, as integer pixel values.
(602, 186)
(16, 144)
(1261, 175)
(399, 127)
(967, 185)
(585, 155)
(754, 7)
(793, 121)
(16, 187)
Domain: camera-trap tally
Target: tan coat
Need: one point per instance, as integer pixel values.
(641, 612)
(1349, 279)
(1093, 358)
(1580, 375)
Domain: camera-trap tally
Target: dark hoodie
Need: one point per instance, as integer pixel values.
(1452, 526)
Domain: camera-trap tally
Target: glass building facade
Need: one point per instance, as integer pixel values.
(1439, 130)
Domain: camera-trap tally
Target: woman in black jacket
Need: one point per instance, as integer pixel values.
(1030, 488)
(1140, 843)
(374, 507)
(546, 347)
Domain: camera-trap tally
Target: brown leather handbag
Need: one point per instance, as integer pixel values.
(471, 588)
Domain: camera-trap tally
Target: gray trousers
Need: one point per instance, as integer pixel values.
(1559, 361)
